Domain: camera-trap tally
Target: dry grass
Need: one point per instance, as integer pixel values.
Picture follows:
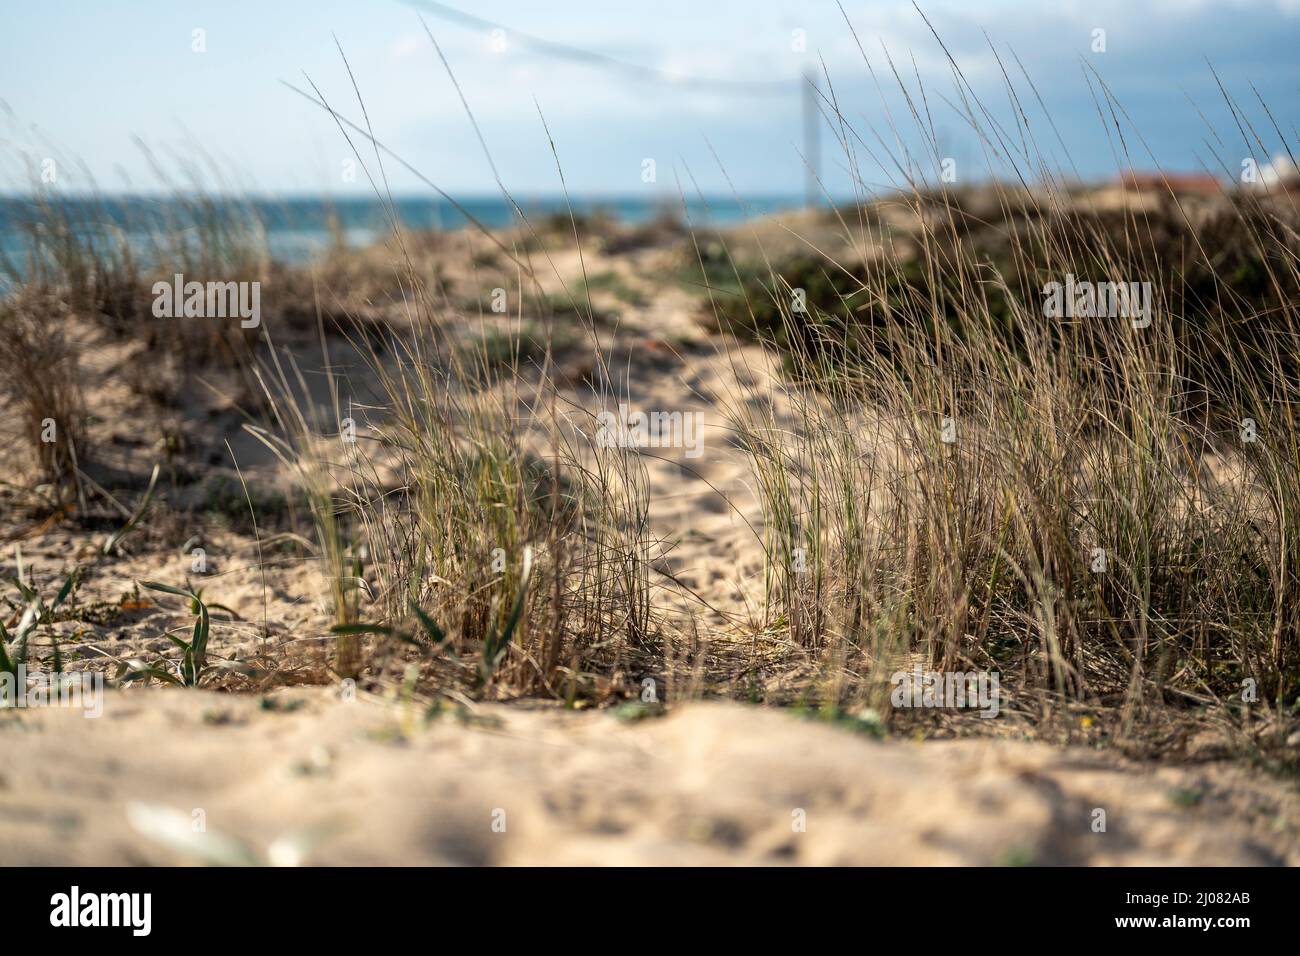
(41, 387)
(1095, 510)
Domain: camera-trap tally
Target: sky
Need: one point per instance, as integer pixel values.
(87, 82)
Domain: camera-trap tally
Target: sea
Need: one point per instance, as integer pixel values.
(295, 229)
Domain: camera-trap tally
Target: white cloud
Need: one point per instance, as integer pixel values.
(408, 46)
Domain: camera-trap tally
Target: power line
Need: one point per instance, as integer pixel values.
(805, 86)
(609, 63)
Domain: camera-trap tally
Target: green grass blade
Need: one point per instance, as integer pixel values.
(134, 520)
(63, 592)
(202, 627)
(496, 649)
(360, 629)
(166, 588)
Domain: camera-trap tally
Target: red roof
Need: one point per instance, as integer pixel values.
(1201, 183)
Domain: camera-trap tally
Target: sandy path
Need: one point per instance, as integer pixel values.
(709, 783)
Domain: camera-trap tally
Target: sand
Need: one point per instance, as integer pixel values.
(310, 778)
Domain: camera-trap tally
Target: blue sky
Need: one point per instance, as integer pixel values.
(85, 78)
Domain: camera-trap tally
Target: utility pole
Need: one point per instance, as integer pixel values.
(811, 137)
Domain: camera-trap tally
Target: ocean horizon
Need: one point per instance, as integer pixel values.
(297, 227)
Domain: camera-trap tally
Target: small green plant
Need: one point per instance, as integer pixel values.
(866, 721)
(431, 637)
(634, 711)
(435, 638)
(1186, 797)
(193, 665)
(9, 664)
(35, 614)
